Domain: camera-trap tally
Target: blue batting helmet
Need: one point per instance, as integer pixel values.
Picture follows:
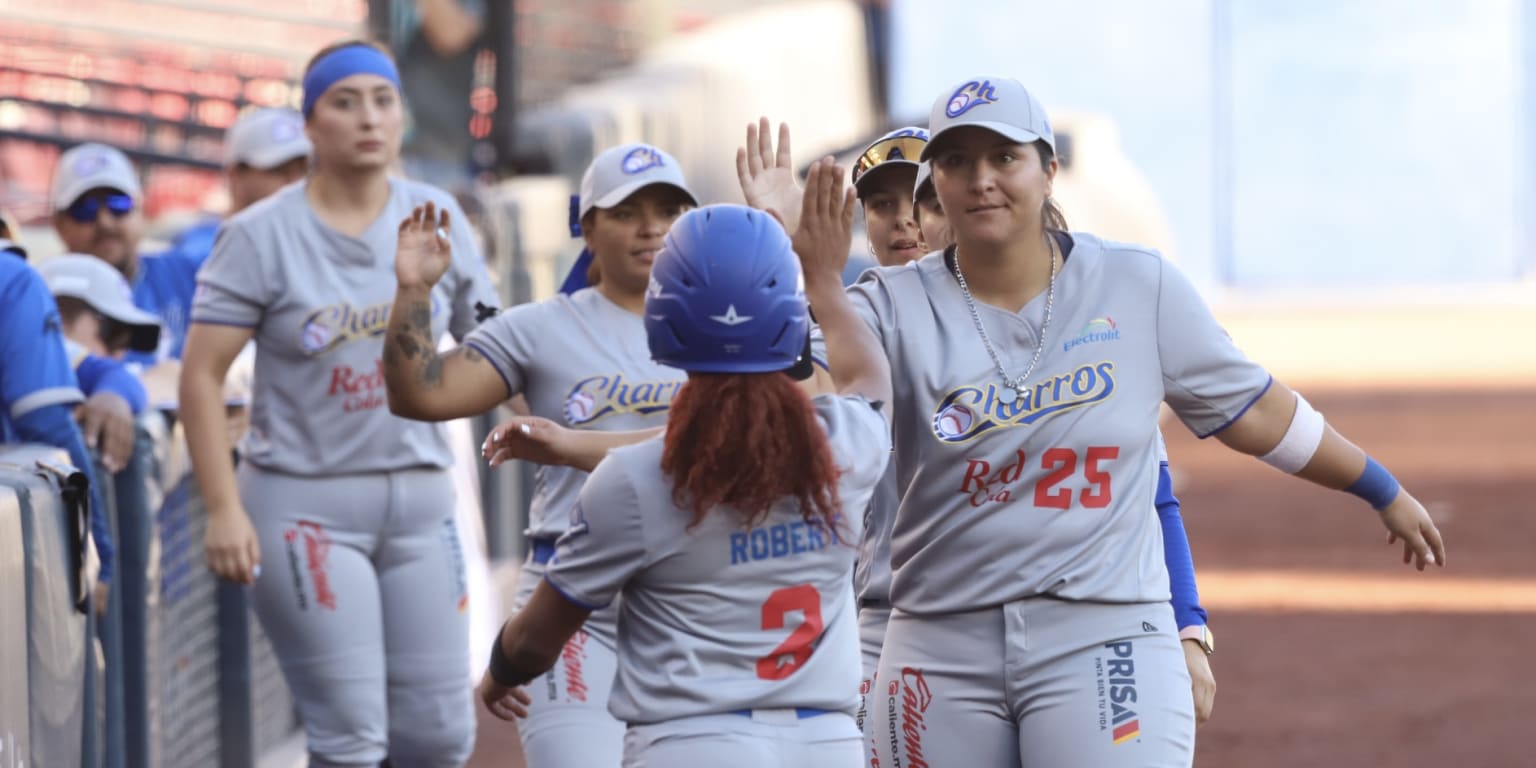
(726, 294)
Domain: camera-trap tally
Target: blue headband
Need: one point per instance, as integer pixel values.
(343, 63)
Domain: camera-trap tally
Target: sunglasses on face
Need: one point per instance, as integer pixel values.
(86, 209)
(908, 148)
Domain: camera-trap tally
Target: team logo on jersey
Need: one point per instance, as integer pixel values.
(641, 159)
(972, 411)
(967, 97)
(329, 327)
(1117, 692)
(598, 397)
(1097, 329)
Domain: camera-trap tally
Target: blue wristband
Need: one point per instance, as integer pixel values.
(1376, 485)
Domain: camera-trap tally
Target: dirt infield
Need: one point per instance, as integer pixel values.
(1330, 652)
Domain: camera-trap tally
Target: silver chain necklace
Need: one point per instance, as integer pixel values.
(1012, 389)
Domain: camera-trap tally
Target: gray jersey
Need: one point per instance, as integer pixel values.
(872, 571)
(319, 302)
(582, 361)
(719, 618)
(1053, 493)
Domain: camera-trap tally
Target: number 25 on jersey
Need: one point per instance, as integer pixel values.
(984, 485)
(796, 649)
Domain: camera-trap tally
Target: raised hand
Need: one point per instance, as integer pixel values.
(825, 235)
(767, 176)
(423, 252)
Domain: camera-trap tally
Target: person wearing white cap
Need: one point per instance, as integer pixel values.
(349, 508)
(264, 151)
(926, 209)
(579, 359)
(1031, 622)
(100, 322)
(887, 168)
(98, 212)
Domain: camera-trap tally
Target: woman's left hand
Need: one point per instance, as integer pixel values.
(503, 702)
(528, 438)
(1202, 680)
(1407, 521)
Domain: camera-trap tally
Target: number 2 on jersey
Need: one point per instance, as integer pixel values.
(796, 649)
(1062, 462)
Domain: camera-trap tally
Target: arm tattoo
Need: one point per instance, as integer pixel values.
(412, 348)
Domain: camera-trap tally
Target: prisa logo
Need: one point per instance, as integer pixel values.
(329, 327)
(1122, 692)
(971, 411)
(969, 96)
(1097, 329)
(597, 397)
(641, 159)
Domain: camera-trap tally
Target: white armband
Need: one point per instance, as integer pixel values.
(1300, 441)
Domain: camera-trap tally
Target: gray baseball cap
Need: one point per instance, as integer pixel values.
(624, 170)
(88, 167)
(999, 104)
(924, 180)
(266, 138)
(96, 283)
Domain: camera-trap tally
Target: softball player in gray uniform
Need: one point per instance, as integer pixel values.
(884, 174)
(737, 507)
(350, 508)
(579, 360)
(1031, 623)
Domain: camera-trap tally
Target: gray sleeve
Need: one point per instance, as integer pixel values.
(602, 549)
(819, 348)
(472, 282)
(231, 286)
(1207, 380)
(508, 342)
(871, 299)
(859, 434)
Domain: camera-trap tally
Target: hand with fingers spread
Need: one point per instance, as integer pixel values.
(505, 703)
(230, 545)
(106, 421)
(825, 234)
(1407, 521)
(424, 251)
(767, 175)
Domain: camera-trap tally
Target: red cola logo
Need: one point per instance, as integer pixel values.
(360, 390)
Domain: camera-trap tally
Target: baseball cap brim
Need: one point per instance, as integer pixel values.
(144, 326)
(864, 182)
(1012, 133)
(622, 192)
(268, 158)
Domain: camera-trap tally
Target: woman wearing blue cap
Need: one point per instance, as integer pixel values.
(578, 359)
(728, 538)
(348, 507)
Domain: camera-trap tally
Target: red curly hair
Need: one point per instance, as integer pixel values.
(748, 441)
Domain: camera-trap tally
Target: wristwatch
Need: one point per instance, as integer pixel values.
(1200, 634)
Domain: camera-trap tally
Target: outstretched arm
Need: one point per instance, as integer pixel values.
(421, 383)
(1286, 432)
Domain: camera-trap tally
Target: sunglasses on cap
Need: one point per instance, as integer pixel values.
(86, 209)
(903, 148)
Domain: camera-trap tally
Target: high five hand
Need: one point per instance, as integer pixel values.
(423, 252)
(825, 234)
(768, 177)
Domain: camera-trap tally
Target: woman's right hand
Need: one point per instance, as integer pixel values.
(767, 175)
(529, 438)
(1407, 521)
(230, 545)
(423, 252)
